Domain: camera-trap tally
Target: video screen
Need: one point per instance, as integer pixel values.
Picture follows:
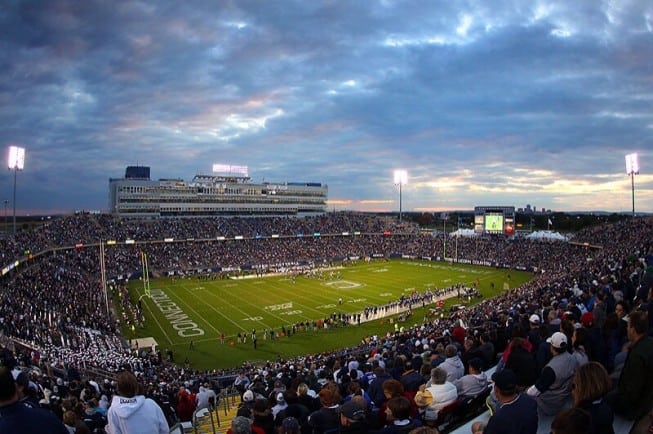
(494, 222)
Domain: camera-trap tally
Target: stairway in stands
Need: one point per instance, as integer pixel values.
(222, 416)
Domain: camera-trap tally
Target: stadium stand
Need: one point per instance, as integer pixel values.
(70, 349)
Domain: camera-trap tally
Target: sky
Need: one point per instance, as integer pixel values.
(482, 102)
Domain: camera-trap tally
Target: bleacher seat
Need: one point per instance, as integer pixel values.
(446, 416)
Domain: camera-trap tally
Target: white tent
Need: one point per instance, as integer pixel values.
(547, 235)
(463, 233)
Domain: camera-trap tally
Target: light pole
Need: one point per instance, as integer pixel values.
(401, 178)
(6, 222)
(16, 161)
(632, 169)
(444, 236)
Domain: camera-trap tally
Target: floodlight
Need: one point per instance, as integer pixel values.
(16, 158)
(16, 161)
(231, 170)
(632, 169)
(632, 164)
(401, 178)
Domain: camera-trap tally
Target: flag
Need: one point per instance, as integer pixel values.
(550, 222)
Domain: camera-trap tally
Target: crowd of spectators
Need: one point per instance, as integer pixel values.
(71, 327)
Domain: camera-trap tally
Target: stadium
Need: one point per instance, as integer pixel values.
(86, 296)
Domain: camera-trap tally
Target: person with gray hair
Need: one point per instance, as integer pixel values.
(452, 363)
(443, 391)
(240, 425)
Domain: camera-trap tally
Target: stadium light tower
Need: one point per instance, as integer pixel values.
(16, 161)
(632, 169)
(401, 178)
(6, 216)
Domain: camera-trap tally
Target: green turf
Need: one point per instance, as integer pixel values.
(232, 306)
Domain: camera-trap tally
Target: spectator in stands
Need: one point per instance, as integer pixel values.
(280, 404)
(94, 420)
(375, 389)
(533, 333)
(131, 412)
(590, 386)
(26, 389)
(70, 421)
(242, 425)
(202, 398)
(517, 413)
(185, 404)
(475, 382)
(572, 421)
(437, 357)
(352, 418)
(289, 425)
(410, 378)
(487, 351)
(326, 418)
(522, 363)
(452, 364)
(443, 392)
(262, 416)
(580, 345)
(391, 389)
(398, 417)
(241, 383)
(247, 402)
(633, 396)
(552, 389)
(306, 397)
(18, 418)
(354, 389)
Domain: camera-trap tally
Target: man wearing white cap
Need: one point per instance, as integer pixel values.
(534, 331)
(552, 390)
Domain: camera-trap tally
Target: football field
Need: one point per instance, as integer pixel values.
(188, 315)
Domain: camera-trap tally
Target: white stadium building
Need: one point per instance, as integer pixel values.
(227, 192)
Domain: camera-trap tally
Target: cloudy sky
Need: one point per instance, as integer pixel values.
(483, 102)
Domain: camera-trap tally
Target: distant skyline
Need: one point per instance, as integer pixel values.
(482, 102)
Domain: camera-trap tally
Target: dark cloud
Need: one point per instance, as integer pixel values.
(504, 101)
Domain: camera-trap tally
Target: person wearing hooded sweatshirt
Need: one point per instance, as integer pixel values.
(131, 412)
(474, 383)
(452, 364)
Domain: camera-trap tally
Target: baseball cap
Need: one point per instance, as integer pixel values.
(587, 319)
(506, 380)
(535, 318)
(248, 395)
(351, 410)
(558, 340)
(20, 378)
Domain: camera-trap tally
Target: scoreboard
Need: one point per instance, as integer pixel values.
(494, 220)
